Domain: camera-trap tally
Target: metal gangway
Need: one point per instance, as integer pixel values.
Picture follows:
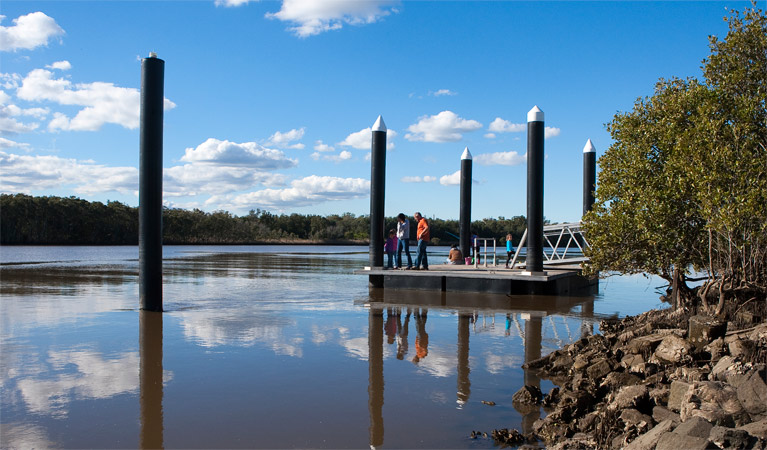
(563, 239)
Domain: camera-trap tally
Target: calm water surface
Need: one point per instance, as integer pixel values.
(267, 347)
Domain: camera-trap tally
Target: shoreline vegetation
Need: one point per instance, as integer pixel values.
(50, 220)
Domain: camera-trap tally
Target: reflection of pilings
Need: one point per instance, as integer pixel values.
(587, 326)
(150, 184)
(150, 379)
(375, 376)
(533, 337)
(464, 383)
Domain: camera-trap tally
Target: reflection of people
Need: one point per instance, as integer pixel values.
(422, 338)
(402, 337)
(403, 240)
(392, 325)
(390, 247)
(509, 250)
(423, 234)
(508, 325)
(455, 256)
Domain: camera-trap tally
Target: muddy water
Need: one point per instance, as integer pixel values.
(267, 347)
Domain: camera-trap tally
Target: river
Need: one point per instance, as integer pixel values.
(268, 347)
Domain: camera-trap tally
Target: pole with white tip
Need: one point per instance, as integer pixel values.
(377, 191)
(464, 225)
(535, 135)
(589, 175)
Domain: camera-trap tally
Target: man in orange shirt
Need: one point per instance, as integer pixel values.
(423, 236)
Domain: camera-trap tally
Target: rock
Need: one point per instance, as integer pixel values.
(636, 396)
(674, 441)
(506, 437)
(648, 440)
(714, 401)
(644, 345)
(704, 329)
(633, 418)
(740, 348)
(752, 393)
(615, 380)
(659, 395)
(695, 426)
(659, 414)
(527, 395)
(673, 349)
(580, 363)
(552, 398)
(758, 429)
(731, 438)
(719, 371)
(677, 394)
(599, 369)
(562, 364)
(716, 349)
(630, 361)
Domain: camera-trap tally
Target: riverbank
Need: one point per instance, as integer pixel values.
(660, 380)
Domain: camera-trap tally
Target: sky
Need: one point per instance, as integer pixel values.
(269, 104)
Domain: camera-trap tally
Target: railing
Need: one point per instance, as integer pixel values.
(569, 234)
(476, 256)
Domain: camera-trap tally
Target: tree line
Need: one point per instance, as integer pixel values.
(42, 220)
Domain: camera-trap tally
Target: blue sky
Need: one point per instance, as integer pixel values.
(269, 103)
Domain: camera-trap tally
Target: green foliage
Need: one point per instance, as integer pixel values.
(684, 185)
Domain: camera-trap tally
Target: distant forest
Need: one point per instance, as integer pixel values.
(28, 220)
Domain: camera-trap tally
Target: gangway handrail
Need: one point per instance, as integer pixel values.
(570, 231)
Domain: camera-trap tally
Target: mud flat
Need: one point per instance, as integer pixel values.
(660, 380)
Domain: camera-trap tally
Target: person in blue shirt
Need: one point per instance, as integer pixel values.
(509, 250)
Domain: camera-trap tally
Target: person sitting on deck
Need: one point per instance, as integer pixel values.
(455, 256)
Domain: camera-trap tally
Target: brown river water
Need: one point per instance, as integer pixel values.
(268, 347)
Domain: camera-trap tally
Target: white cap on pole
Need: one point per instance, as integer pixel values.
(589, 147)
(535, 115)
(379, 125)
(466, 154)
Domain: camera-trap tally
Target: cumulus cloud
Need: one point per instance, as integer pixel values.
(7, 143)
(550, 132)
(321, 147)
(451, 180)
(343, 156)
(248, 154)
(312, 17)
(232, 3)
(424, 179)
(27, 32)
(500, 159)
(103, 102)
(499, 125)
(284, 140)
(442, 92)
(60, 65)
(26, 173)
(209, 179)
(490, 135)
(304, 192)
(443, 127)
(363, 139)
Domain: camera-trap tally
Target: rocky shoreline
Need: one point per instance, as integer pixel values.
(661, 380)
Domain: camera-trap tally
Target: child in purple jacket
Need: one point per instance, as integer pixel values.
(390, 247)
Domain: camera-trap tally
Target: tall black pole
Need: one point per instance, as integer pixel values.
(377, 191)
(535, 128)
(150, 183)
(465, 214)
(589, 176)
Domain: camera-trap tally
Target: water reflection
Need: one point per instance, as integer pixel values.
(151, 376)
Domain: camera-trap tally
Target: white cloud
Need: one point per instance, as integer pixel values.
(451, 180)
(320, 147)
(60, 65)
(103, 102)
(343, 156)
(7, 143)
(283, 140)
(232, 2)
(443, 127)
(442, 92)
(312, 17)
(248, 154)
(501, 159)
(363, 139)
(550, 132)
(425, 179)
(490, 135)
(304, 192)
(28, 32)
(504, 126)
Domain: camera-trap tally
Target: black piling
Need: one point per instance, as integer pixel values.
(535, 135)
(465, 213)
(589, 176)
(377, 191)
(150, 183)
